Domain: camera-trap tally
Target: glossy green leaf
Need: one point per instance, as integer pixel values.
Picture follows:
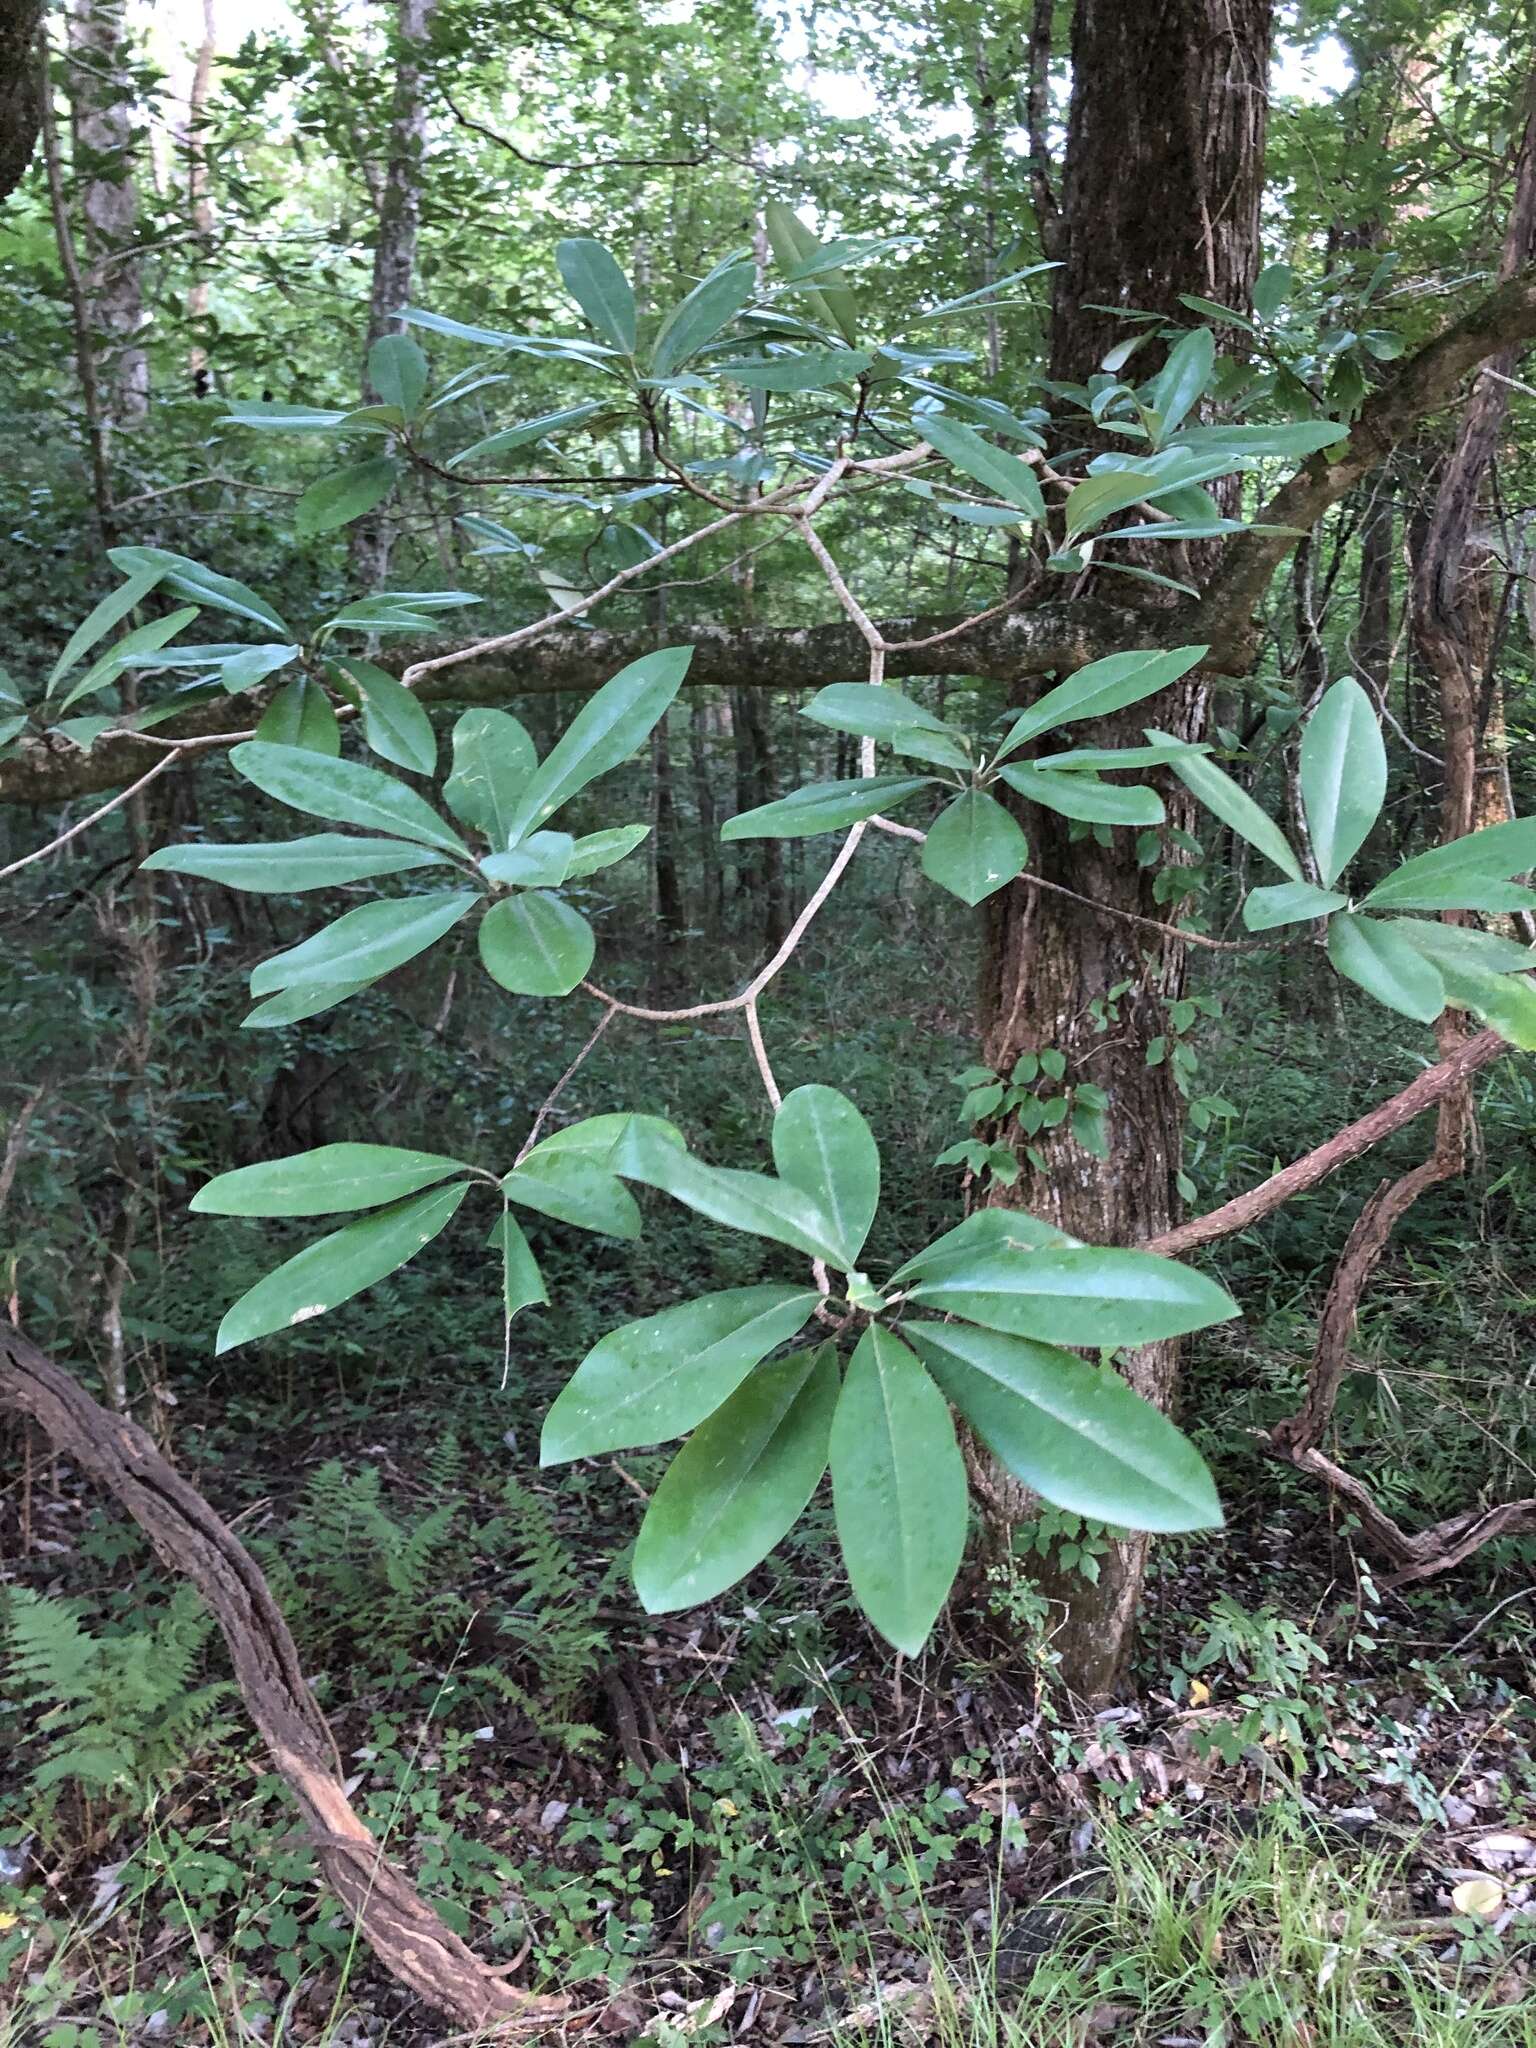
(974, 847)
(1231, 803)
(1089, 1295)
(398, 371)
(898, 1489)
(186, 578)
(541, 861)
(751, 1202)
(712, 304)
(1289, 903)
(248, 666)
(1101, 687)
(331, 1271)
(98, 622)
(395, 723)
(1343, 776)
(574, 1188)
(822, 1145)
(325, 1182)
(522, 1284)
(1183, 378)
(830, 299)
(293, 1005)
(147, 639)
(810, 370)
(993, 468)
(874, 711)
(1457, 945)
(346, 495)
(824, 807)
(348, 791)
(1117, 757)
(607, 1139)
(493, 757)
(1079, 796)
(526, 432)
(985, 1231)
(1292, 441)
(599, 850)
(1074, 1432)
(739, 1485)
(604, 733)
(656, 1378)
(1466, 875)
(536, 945)
(372, 940)
(597, 284)
(284, 867)
(300, 717)
(1506, 1002)
(1376, 955)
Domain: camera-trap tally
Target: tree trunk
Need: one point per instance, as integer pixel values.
(21, 107)
(198, 201)
(394, 256)
(1161, 186)
(105, 147)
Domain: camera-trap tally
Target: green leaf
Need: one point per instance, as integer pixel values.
(974, 847)
(1293, 441)
(528, 431)
(1457, 946)
(248, 666)
(793, 244)
(1118, 757)
(739, 1485)
(575, 1189)
(1080, 796)
(1101, 687)
(712, 304)
(300, 718)
(293, 1005)
(601, 849)
(115, 606)
(345, 790)
(993, 468)
(597, 284)
(536, 945)
(751, 1202)
(1272, 288)
(1075, 1433)
(372, 940)
(1289, 903)
(875, 711)
(811, 370)
(1183, 377)
(898, 1489)
(285, 867)
(331, 1271)
(985, 1231)
(1466, 875)
(824, 807)
(656, 1378)
(606, 731)
(398, 371)
(339, 499)
(1343, 776)
(189, 579)
(822, 1145)
(146, 639)
(522, 1284)
(541, 861)
(1232, 804)
(324, 1182)
(395, 724)
(1507, 1002)
(607, 1139)
(493, 758)
(1381, 960)
(1086, 1295)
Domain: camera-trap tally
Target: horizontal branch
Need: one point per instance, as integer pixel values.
(1001, 647)
(1423, 1092)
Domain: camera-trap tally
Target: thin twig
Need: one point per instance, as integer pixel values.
(93, 818)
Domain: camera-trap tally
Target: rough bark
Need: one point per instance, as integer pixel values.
(1160, 195)
(21, 109)
(105, 151)
(406, 1935)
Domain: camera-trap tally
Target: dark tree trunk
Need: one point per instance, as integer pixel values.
(1160, 195)
(21, 109)
(106, 146)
